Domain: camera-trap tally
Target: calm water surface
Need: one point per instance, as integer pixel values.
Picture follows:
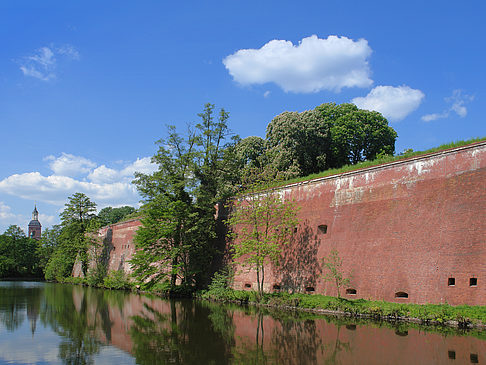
(61, 324)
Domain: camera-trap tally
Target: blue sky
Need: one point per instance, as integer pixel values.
(86, 87)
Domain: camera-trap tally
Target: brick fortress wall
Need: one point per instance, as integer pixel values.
(415, 227)
(117, 239)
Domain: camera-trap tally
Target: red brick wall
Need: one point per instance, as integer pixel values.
(401, 227)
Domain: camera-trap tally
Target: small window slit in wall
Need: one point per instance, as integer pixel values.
(451, 354)
(310, 289)
(401, 294)
(276, 287)
(247, 285)
(351, 291)
(322, 228)
(474, 358)
(473, 281)
(451, 281)
(351, 327)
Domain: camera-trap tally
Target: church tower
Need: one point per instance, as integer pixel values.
(35, 228)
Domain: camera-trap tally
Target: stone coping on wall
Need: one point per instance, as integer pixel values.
(121, 223)
(386, 165)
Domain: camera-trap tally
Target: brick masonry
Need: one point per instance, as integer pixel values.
(407, 226)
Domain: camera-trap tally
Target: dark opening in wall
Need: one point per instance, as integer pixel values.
(351, 291)
(451, 354)
(401, 294)
(351, 327)
(473, 281)
(247, 285)
(276, 287)
(451, 281)
(474, 358)
(295, 230)
(322, 228)
(401, 333)
(310, 289)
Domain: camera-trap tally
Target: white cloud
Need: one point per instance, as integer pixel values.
(42, 65)
(6, 212)
(70, 165)
(68, 51)
(395, 103)
(103, 174)
(457, 103)
(104, 185)
(266, 94)
(55, 189)
(313, 65)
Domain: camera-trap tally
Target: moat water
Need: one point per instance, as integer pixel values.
(43, 323)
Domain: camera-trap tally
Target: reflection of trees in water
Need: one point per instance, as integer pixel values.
(185, 335)
(254, 352)
(222, 321)
(16, 302)
(297, 341)
(75, 323)
(332, 350)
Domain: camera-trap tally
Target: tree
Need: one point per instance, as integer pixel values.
(330, 136)
(262, 222)
(18, 254)
(360, 135)
(111, 215)
(333, 263)
(177, 236)
(72, 242)
(48, 245)
(79, 209)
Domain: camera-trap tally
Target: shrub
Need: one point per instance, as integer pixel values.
(116, 280)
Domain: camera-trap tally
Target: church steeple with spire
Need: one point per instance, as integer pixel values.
(35, 228)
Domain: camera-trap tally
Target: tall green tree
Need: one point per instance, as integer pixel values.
(163, 240)
(178, 227)
(18, 254)
(79, 209)
(72, 242)
(330, 136)
(262, 223)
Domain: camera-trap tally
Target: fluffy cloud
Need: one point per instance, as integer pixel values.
(395, 103)
(5, 212)
(70, 165)
(106, 186)
(103, 174)
(457, 103)
(42, 64)
(313, 65)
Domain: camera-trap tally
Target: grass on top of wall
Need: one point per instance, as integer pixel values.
(426, 313)
(381, 161)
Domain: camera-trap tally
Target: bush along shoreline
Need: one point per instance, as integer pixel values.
(462, 317)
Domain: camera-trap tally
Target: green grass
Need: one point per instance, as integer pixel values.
(427, 313)
(380, 161)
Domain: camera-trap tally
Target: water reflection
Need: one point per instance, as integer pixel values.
(84, 323)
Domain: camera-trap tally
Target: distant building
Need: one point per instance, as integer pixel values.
(35, 228)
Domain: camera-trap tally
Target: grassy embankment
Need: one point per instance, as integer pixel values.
(382, 160)
(462, 316)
